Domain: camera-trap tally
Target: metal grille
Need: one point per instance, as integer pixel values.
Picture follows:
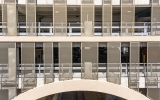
(87, 14)
(48, 61)
(127, 20)
(28, 65)
(87, 1)
(155, 1)
(4, 19)
(89, 53)
(153, 66)
(65, 60)
(109, 2)
(134, 65)
(107, 20)
(127, 2)
(31, 18)
(10, 1)
(60, 1)
(60, 19)
(155, 20)
(114, 60)
(31, 1)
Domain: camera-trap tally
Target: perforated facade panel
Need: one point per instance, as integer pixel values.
(31, 18)
(127, 17)
(107, 17)
(60, 17)
(87, 13)
(134, 64)
(65, 60)
(113, 62)
(155, 19)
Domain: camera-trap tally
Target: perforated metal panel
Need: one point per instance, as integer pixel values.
(31, 18)
(107, 18)
(4, 19)
(89, 53)
(28, 65)
(113, 62)
(65, 60)
(127, 17)
(134, 65)
(87, 13)
(155, 19)
(48, 61)
(153, 66)
(60, 17)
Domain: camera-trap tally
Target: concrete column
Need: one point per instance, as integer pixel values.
(154, 93)
(12, 63)
(11, 93)
(87, 70)
(88, 30)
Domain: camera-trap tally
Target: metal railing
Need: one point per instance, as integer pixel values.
(76, 29)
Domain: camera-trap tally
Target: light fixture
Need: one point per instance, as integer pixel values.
(128, 11)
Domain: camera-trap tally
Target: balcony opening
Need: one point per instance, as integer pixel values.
(56, 57)
(143, 52)
(74, 20)
(142, 21)
(125, 48)
(116, 19)
(98, 21)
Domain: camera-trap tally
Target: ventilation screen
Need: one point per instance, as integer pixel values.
(60, 19)
(134, 65)
(48, 61)
(28, 65)
(65, 60)
(4, 19)
(155, 20)
(127, 2)
(127, 19)
(87, 14)
(114, 60)
(107, 18)
(31, 18)
(89, 55)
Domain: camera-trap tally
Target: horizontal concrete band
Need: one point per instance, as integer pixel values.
(81, 85)
(78, 39)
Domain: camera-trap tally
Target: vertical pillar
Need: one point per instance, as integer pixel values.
(107, 18)
(9, 18)
(31, 17)
(134, 68)
(87, 16)
(60, 17)
(127, 17)
(114, 60)
(65, 60)
(48, 61)
(89, 57)
(155, 17)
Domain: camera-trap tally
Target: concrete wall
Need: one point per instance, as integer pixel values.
(3, 94)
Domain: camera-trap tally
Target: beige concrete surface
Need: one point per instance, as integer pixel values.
(81, 85)
(79, 39)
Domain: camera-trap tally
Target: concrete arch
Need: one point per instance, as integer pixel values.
(81, 85)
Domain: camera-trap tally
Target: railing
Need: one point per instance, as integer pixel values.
(77, 29)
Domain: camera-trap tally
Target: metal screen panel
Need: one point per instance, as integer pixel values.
(60, 17)
(89, 53)
(65, 60)
(7, 71)
(31, 17)
(134, 65)
(87, 14)
(153, 64)
(107, 18)
(48, 61)
(127, 17)
(155, 19)
(113, 62)
(4, 19)
(28, 65)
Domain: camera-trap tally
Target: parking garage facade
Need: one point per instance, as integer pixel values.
(45, 41)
